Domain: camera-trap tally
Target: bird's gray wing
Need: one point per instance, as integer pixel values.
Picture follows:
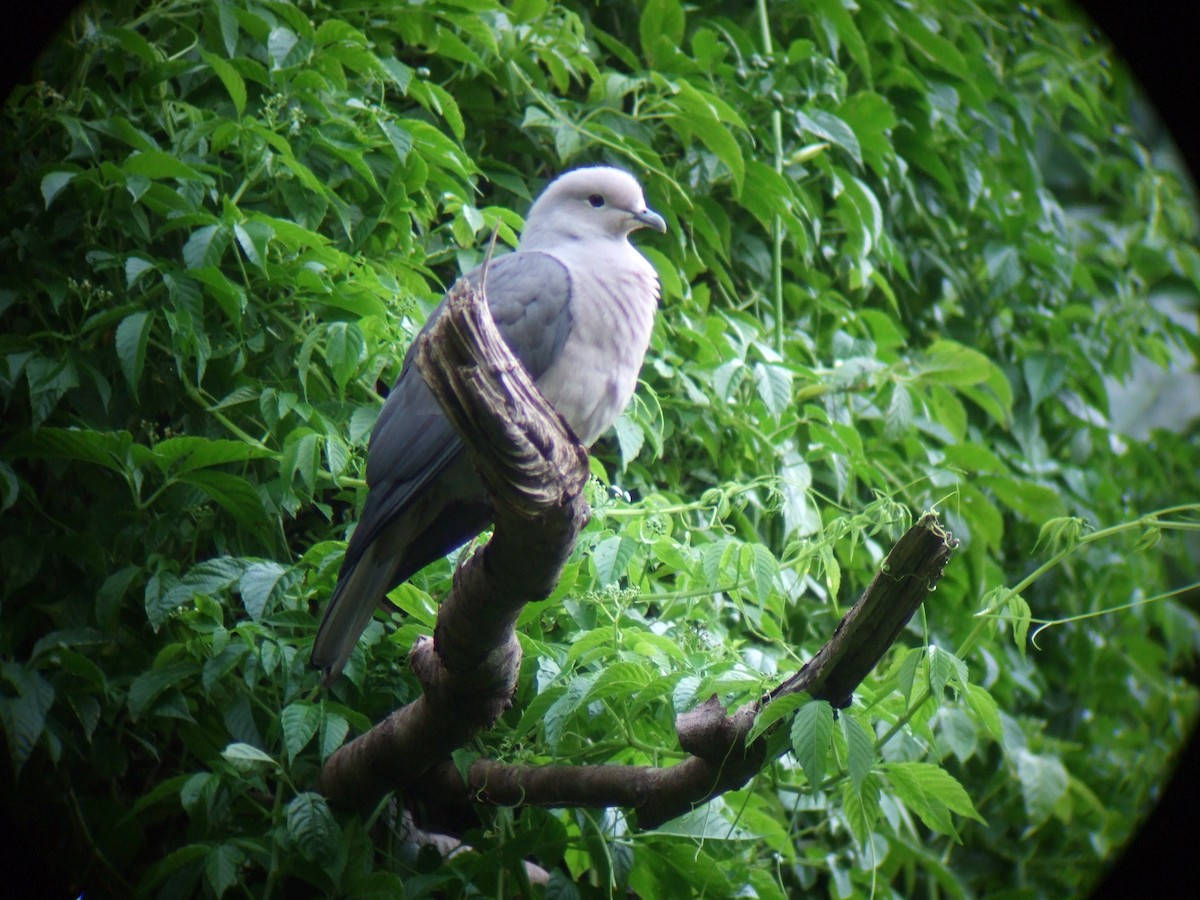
(424, 498)
(529, 297)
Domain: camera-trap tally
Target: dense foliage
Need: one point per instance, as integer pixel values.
(915, 251)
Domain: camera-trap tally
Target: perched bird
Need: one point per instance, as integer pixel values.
(575, 303)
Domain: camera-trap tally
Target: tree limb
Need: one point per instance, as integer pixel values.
(721, 761)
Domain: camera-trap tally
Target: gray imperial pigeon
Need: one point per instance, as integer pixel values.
(575, 303)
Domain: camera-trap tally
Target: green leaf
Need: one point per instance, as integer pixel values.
(777, 709)
(235, 495)
(344, 351)
(611, 557)
(621, 679)
(1021, 615)
(945, 670)
(263, 584)
(300, 721)
(205, 246)
(11, 487)
(108, 449)
(839, 28)
(986, 710)
(661, 20)
(1044, 375)
(282, 48)
(246, 758)
(826, 126)
(312, 826)
(860, 746)
(774, 384)
(135, 268)
(189, 453)
(24, 716)
(949, 362)
(399, 138)
(334, 729)
(812, 736)
(932, 46)
(932, 793)
(860, 802)
(765, 571)
(221, 867)
(132, 338)
(53, 183)
(234, 84)
(149, 686)
(157, 164)
(1043, 783)
(253, 238)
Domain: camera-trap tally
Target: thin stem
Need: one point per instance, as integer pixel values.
(776, 221)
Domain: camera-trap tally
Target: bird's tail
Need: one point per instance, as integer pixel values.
(350, 608)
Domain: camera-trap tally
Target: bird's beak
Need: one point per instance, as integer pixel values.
(651, 219)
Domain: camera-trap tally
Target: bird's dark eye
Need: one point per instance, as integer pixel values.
(597, 200)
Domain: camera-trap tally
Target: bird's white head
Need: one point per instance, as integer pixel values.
(591, 203)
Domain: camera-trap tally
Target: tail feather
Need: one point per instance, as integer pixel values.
(350, 608)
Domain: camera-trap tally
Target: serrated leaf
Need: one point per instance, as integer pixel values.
(247, 758)
(149, 686)
(105, 448)
(1043, 782)
(235, 495)
(827, 126)
(685, 693)
(11, 487)
(860, 802)
(898, 419)
(300, 721)
(630, 438)
(334, 729)
(860, 747)
(189, 453)
(945, 670)
(1021, 615)
(221, 867)
(777, 709)
(53, 183)
(132, 338)
(205, 246)
(158, 165)
(611, 557)
(24, 716)
(263, 584)
(774, 386)
(621, 679)
(253, 238)
(766, 569)
(234, 84)
(312, 826)
(400, 139)
(986, 710)
(345, 347)
(812, 736)
(135, 268)
(948, 362)
(932, 793)
(280, 44)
